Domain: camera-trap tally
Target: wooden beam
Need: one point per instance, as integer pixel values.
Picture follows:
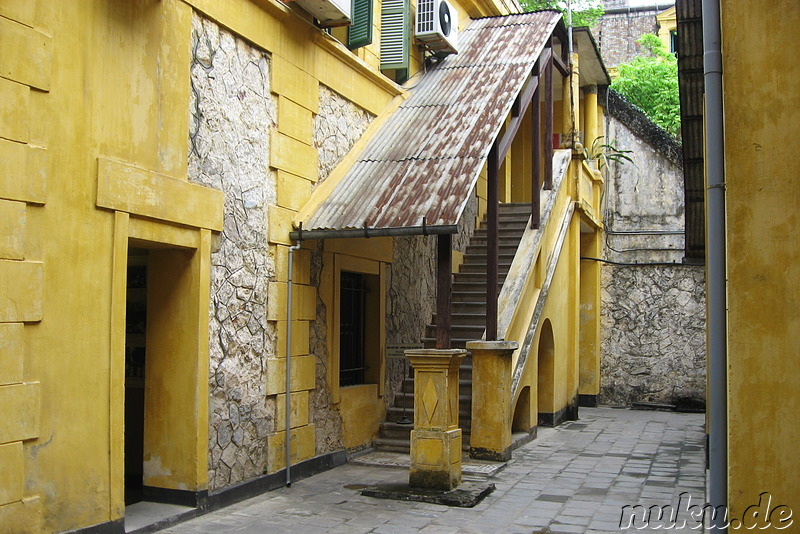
(524, 98)
(536, 177)
(492, 244)
(444, 267)
(548, 119)
(561, 65)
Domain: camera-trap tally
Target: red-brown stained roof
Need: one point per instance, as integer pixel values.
(426, 158)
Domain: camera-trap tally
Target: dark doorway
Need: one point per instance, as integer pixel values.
(135, 344)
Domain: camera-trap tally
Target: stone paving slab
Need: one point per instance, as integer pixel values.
(572, 479)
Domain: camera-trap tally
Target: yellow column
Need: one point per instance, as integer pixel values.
(436, 438)
(490, 438)
(590, 115)
(570, 100)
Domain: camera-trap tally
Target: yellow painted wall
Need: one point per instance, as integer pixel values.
(361, 414)
(94, 122)
(560, 387)
(86, 170)
(762, 110)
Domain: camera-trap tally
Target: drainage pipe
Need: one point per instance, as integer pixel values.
(288, 410)
(716, 266)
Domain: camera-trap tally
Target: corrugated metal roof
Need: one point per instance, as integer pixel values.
(426, 158)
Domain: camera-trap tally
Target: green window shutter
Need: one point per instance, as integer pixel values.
(360, 32)
(395, 34)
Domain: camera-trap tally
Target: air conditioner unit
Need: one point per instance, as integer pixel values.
(328, 12)
(437, 25)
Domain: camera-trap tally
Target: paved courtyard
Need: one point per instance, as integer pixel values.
(572, 479)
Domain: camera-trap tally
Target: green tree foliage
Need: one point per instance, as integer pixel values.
(584, 12)
(651, 82)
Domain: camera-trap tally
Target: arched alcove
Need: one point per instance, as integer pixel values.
(521, 422)
(546, 374)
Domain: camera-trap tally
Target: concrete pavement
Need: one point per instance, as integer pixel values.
(572, 479)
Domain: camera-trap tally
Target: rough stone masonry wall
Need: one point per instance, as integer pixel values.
(653, 335)
(652, 316)
(232, 113)
(337, 126)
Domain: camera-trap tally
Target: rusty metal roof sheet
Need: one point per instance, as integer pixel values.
(425, 160)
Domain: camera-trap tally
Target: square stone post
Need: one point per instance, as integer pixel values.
(436, 438)
(490, 437)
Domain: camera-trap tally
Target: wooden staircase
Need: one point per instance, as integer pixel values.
(468, 324)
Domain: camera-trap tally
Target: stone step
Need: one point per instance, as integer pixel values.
(469, 307)
(479, 258)
(480, 267)
(476, 268)
(479, 278)
(468, 324)
(514, 207)
(504, 248)
(466, 319)
(469, 293)
(504, 245)
(464, 397)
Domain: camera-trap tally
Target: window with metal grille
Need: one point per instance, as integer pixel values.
(352, 329)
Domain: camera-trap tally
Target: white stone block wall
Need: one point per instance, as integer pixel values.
(337, 127)
(232, 113)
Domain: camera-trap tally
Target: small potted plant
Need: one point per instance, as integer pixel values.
(599, 154)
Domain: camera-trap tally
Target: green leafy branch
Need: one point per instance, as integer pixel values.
(651, 83)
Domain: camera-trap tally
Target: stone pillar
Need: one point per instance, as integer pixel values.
(436, 438)
(490, 437)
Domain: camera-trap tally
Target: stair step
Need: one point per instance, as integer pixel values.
(466, 293)
(478, 278)
(457, 330)
(465, 319)
(468, 323)
(511, 206)
(467, 306)
(505, 248)
(480, 268)
(480, 258)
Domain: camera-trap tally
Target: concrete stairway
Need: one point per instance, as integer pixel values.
(468, 323)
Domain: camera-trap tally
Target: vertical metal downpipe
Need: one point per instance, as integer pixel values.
(289, 367)
(716, 262)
